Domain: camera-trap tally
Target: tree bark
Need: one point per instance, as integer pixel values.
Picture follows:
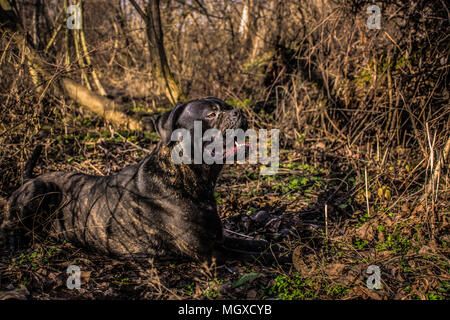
(36, 15)
(243, 26)
(160, 66)
(86, 55)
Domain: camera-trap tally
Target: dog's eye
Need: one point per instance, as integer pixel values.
(211, 115)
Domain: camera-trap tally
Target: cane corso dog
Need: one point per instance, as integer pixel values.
(154, 209)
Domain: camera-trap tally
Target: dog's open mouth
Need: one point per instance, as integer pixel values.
(238, 145)
(229, 151)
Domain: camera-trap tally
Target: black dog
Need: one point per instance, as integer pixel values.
(155, 208)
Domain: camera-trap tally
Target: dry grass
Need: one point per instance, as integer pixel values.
(364, 119)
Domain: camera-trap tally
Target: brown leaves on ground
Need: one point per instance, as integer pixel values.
(287, 209)
(366, 231)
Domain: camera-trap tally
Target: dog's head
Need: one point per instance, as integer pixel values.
(211, 113)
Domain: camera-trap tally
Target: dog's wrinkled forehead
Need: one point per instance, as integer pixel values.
(185, 114)
(198, 109)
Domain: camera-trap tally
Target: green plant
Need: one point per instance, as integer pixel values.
(395, 242)
(337, 291)
(294, 287)
(360, 244)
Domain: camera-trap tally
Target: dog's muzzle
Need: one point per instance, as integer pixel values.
(235, 119)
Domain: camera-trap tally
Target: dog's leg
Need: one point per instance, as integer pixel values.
(246, 245)
(248, 250)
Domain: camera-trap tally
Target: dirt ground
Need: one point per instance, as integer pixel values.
(314, 207)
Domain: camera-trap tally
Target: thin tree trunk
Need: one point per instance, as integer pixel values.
(80, 59)
(160, 66)
(66, 41)
(243, 26)
(48, 20)
(86, 53)
(36, 14)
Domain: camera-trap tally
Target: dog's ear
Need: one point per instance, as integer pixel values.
(165, 123)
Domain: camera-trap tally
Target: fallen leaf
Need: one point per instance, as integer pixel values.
(334, 269)
(365, 232)
(299, 263)
(405, 208)
(425, 250)
(85, 276)
(420, 208)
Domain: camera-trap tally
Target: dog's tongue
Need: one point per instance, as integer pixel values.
(228, 152)
(238, 145)
(231, 151)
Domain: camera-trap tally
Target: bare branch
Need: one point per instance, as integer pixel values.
(139, 10)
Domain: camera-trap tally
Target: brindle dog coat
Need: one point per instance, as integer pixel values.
(152, 209)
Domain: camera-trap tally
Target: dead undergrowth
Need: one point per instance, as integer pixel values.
(363, 178)
(332, 251)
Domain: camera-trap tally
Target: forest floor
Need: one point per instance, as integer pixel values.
(315, 207)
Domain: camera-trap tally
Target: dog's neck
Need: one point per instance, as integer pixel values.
(199, 180)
